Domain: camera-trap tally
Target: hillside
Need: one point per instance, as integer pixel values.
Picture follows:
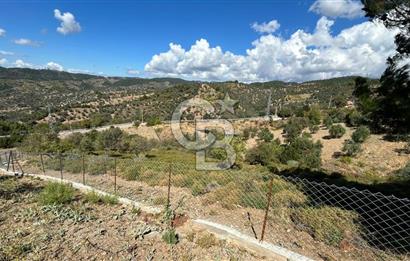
(28, 95)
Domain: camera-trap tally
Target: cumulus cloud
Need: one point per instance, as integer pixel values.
(269, 27)
(6, 53)
(3, 61)
(2, 32)
(22, 64)
(54, 66)
(68, 23)
(359, 50)
(341, 8)
(27, 42)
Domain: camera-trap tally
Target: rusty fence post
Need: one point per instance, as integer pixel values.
(83, 167)
(115, 175)
(18, 164)
(267, 209)
(8, 161)
(42, 163)
(61, 166)
(169, 186)
(12, 161)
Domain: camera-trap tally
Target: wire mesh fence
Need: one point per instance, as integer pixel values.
(312, 218)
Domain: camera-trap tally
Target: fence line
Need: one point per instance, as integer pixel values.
(325, 218)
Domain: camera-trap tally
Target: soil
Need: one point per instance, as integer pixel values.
(280, 231)
(104, 232)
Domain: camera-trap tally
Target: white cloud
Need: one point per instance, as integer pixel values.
(359, 50)
(2, 32)
(22, 64)
(68, 23)
(340, 8)
(3, 61)
(133, 72)
(54, 66)
(6, 53)
(269, 27)
(27, 42)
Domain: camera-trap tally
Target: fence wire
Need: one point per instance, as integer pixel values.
(319, 219)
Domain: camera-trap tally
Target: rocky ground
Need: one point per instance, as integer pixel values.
(85, 231)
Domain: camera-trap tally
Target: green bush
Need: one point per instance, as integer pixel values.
(328, 122)
(304, 151)
(294, 127)
(265, 153)
(314, 128)
(95, 198)
(170, 237)
(337, 131)
(337, 115)
(354, 118)
(153, 120)
(129, 170)
(327, 224)
(217, 153)
(351, 148)
(56, 193)
(361, 134)
(265, 135)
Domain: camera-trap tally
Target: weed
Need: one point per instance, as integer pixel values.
(170, 236)
(56, 193)
(94, 197)
(326, 224)
(207, 240)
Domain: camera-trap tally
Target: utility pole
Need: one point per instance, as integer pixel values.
(269, 102)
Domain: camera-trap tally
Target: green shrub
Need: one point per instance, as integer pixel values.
(328, 122)
(337, 115)
(56, 193)
(327, 224)
(265, 135)
(313, 115)
(249, 132)
(265, 153)
(170, 237)
(337, 131)
(153, 120)
(304, 151)
(354, 118)
(351, 148)
(361, 134)
(404, 172)
(314, 128)
(130, 171)
(96, 198)
(294, 127)
(217, 153)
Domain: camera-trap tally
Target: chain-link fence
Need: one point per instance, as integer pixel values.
(318, 220)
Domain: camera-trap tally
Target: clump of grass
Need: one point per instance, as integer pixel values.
(96, 198)
(56, 193)
(170, 236)
(327, 224)
(207, 240)
(131, 171)
(136, 211)
(160, 201)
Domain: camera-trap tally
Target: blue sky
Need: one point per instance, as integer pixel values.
(117, 36)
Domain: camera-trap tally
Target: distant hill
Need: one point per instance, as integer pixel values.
(27, 95)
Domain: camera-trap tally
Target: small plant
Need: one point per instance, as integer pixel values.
(313, 128)
(96, 198)
(56, 193)
(327, 224)
(328, 122)
(337, 131)
(265, 135)
(131, 171)
(361, 134)
(351, 148)
(136, 211)
(170, 236)
(160, 201)
(207, 240)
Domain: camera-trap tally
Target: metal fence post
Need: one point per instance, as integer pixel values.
(83, 168)
(61, 166)
(8, 161)
(115, 175)
(42, 163)
(169, 186)
(267, 209)
(12, 161)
